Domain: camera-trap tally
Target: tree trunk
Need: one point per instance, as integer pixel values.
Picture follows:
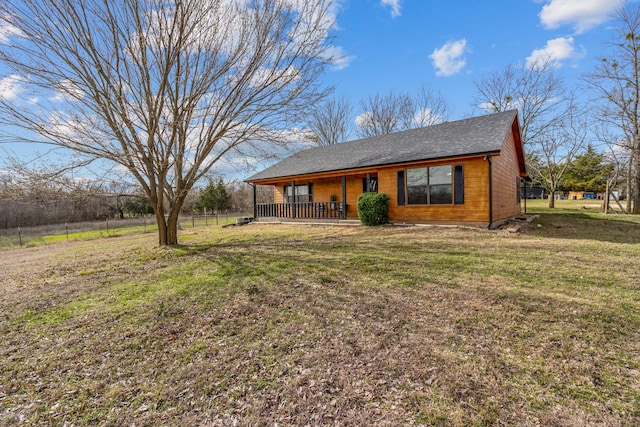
(162, 226)
(629, 184)
(172, 227)
(552, 199)
(635, 208)
(607, 195)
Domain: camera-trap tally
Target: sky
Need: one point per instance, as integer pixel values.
(402, 45)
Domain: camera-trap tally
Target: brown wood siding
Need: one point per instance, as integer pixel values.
(324, 188)
(505, 172)
(475, 210)
(476, 201)
(278, 193)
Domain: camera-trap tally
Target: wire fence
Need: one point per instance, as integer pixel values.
(43, 234)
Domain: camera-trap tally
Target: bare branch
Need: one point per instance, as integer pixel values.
(330, 123)
(615, 81)
(164, 89)
(384, 114)
(536, 91)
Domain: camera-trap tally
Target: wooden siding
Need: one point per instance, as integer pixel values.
(475, 209)
(507, 168)
(476, 201)
(506, 181)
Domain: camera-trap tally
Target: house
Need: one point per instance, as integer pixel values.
(462, 172)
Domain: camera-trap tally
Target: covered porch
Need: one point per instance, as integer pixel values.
(322, 198)
(304, 210)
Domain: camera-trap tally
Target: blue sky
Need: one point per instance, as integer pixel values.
(401, 45)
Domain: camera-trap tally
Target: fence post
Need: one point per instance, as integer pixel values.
(193, 220)
(66, 229)
(206, 222)
(20, 236)
(107, 225)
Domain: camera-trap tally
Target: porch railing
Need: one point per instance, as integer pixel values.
(316, 210)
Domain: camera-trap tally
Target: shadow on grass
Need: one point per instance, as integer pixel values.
(576, 225)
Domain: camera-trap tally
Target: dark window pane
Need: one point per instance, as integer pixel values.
(441, 194)
(417, 186)
(304, 193)
(417, 195)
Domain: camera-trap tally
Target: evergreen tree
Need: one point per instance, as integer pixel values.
(137, 206)
(588, 172)
(215, 197)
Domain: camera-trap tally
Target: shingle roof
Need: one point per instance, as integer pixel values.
(477, 135)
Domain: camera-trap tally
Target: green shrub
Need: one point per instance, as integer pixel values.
(373, 208)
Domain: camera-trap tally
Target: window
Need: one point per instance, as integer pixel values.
(429, 186)
(304, 194)
(440, 192)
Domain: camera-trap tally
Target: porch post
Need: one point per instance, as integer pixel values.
(293, 199)
(525, 195)
(344, 197)
(255, 204)
(368, 180)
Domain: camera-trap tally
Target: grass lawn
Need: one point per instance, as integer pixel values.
(350, 326)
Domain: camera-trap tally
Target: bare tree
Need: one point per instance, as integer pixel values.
(555, 148)
(616, 155)
(430, 108)
(163, 89)
(616, 82)
(535, 90)
(384, 114)
(330, 123)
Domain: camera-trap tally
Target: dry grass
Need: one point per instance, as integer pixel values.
(303, 325)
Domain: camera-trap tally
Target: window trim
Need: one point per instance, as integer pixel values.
(309, 194)
(457, 186)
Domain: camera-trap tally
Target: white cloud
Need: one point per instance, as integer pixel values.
(491, 107)
(364, 119)
(67, 91)
(337, 57)
(8, 30)
(64, 125)
(581, 15)
(555, 51)
(449, 60)
(394, 5)
(11, 87)
(426, 117)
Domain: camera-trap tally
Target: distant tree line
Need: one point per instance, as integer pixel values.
(24, 204)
